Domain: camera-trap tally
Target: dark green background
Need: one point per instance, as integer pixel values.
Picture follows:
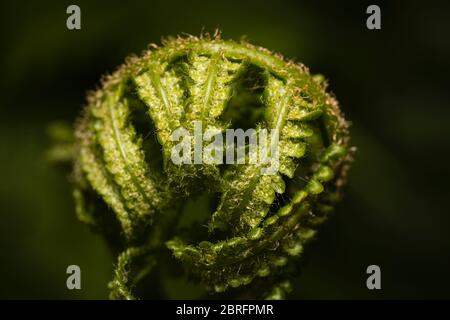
(392, 84)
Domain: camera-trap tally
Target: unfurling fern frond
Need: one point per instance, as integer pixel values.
(128, 188)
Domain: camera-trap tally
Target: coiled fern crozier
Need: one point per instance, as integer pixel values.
(127, 187)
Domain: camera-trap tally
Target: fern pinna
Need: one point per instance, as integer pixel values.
(127, 187)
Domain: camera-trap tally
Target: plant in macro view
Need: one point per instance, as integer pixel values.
(229, 227)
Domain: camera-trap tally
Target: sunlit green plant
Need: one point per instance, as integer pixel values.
(127, 188)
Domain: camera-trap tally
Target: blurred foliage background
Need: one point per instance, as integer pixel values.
(391, 83)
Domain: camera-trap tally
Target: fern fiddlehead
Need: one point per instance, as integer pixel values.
(127, 187)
